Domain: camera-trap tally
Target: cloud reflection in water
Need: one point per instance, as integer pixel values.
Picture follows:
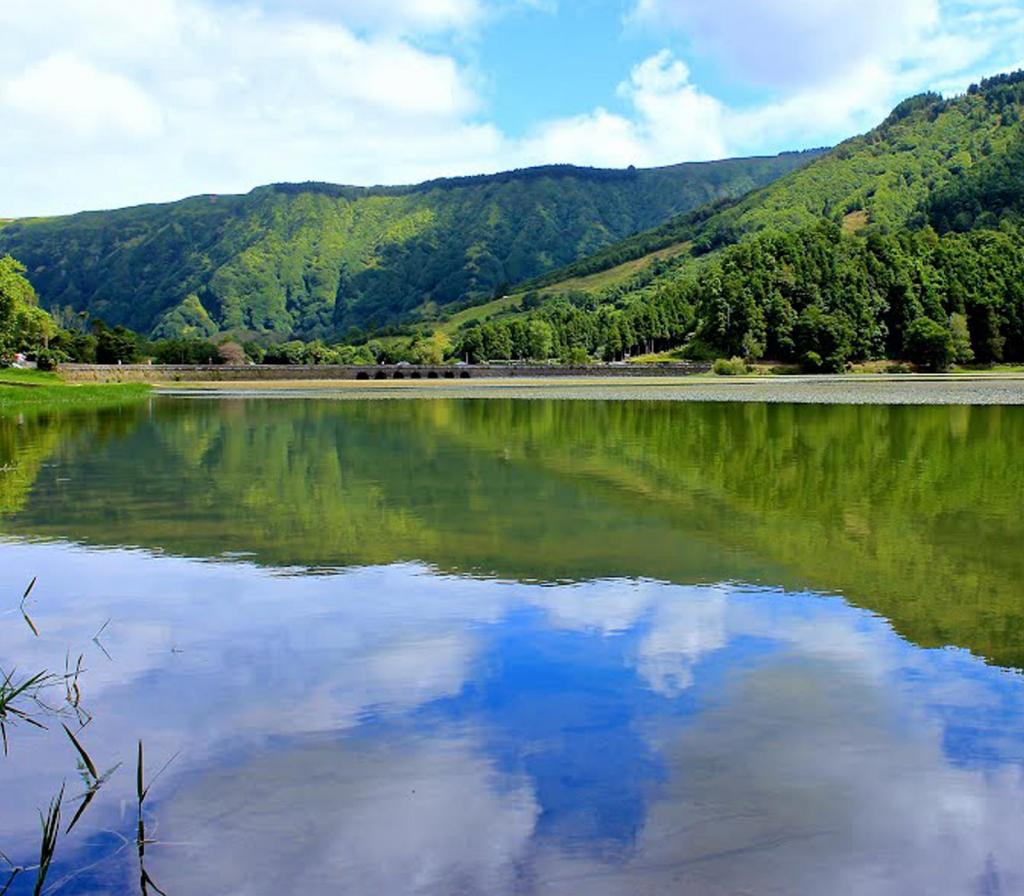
(393, 730)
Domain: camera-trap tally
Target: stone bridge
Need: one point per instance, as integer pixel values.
(170, 373)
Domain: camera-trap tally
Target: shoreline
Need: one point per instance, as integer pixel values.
(35, 392)
(878, 389)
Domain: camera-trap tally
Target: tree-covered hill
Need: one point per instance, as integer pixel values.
(906, 241)
(314, 259)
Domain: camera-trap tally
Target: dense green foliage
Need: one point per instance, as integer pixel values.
(312, 260)
(24, 326)
(784, 295)
(920, 218)
(579, 330)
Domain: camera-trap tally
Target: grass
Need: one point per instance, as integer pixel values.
(30, 390)
(666, 357)
(480, 312)
(618, 274)
(856, 221)
(592, 283)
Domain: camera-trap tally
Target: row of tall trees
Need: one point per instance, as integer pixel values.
(825, 298)
(813, 295)
(580, 330)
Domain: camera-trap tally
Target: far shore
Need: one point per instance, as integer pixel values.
(917, 389)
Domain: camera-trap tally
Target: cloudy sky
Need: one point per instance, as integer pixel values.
(115, 102)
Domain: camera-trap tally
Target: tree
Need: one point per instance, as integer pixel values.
(497, 342)
(929, 344)
(470, 345)
(430, 349)
(540, 340)
(24, 326)
(117, 346)
(962, 351)
(823, 340)
(232, 354)
(78, 346)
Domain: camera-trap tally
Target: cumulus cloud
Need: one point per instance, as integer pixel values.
(224, 99)
(823, 72)
(671, 120)
(112, 102)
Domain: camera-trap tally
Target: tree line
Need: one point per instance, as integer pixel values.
(814, 295)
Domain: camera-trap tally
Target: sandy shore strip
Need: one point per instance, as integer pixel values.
(939, 389)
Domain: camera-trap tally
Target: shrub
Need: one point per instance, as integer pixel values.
(49, 358)
(576, 356)
(730, 367)
(812, 361)
(698, 350)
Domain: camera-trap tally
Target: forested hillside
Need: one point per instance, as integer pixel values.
(904, 242)
(313, 260)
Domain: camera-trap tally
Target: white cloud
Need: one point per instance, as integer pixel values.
(792, 43)
(671, 121)
(395, 16)
(107, 103)
(114, 102)
(823, 73)
(65, 92)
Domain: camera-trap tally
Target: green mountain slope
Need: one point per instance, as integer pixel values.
(314, 259)
(837, 261)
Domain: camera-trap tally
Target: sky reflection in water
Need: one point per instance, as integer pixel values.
(395, 730)
(599, 707)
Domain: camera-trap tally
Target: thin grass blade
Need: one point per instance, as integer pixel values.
(89, 764)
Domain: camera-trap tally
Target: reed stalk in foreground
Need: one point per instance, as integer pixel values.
(23, 701)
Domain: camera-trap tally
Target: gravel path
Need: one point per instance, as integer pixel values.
(918, 389)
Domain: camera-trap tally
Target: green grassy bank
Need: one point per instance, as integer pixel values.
(32, 390)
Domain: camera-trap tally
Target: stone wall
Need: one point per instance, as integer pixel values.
(171, 373)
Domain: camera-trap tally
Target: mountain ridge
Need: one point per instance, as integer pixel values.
(313, 259)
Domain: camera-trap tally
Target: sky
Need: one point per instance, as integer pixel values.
(107, 103)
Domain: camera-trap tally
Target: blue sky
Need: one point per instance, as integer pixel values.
(115, 102)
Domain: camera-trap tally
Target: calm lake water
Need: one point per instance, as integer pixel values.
(491, 647)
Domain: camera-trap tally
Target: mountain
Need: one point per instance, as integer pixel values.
(314, 259)
(847, 258)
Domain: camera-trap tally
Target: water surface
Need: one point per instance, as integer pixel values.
(527, 646)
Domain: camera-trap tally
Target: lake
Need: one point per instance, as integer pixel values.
(522, 646)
